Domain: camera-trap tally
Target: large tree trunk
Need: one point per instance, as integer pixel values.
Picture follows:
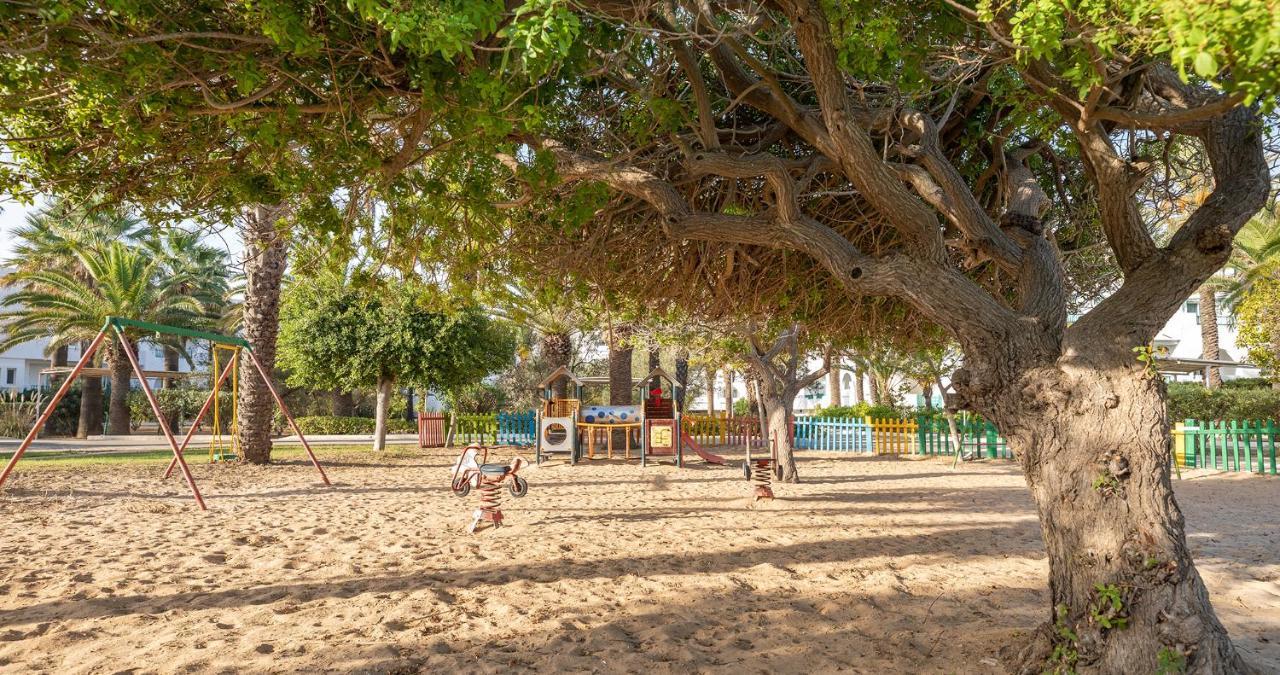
(341, 403)
(410, 405)
(1094, 445)
(682, 376)
(778, 413)
(557, 350)
(60, 357)
(383, 406)
(121, 373)
(265, 256)
(875, 390)
(1209, 335)
(90, 423)
(833, 386)
(655, 359)
(859, 392)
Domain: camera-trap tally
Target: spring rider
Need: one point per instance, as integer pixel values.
(472, 470)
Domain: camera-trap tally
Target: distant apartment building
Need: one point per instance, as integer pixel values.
(21, 367)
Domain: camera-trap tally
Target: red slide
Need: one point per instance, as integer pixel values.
(708, 457)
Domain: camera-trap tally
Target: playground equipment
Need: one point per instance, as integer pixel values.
(566, 426)
(118, 325)
(472, 470)
(762, 470)
(218, 450)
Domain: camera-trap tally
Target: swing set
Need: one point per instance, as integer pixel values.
(236, 345)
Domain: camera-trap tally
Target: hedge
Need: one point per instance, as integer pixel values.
(863, 409)
(1194, 401)
(329, 425)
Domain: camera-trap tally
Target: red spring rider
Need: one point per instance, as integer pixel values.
(761, 470)
(472, 471)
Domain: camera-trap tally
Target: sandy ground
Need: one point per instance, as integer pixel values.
(873, 565)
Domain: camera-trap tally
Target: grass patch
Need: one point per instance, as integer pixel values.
(73, 459)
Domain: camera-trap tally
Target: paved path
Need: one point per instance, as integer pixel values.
(145, 442)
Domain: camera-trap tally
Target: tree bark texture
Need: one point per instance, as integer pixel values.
(655, 359)
(682, 376)
(171, 364)
(1209, 335)
(833, 387)
(385, 389)
(557, 350)
(121, 373)
(859, 392)
(265, 257)
(1094, 444)
(620, 353)
(90, 422)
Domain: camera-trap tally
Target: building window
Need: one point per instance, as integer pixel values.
(1193, 307)
(158, 351)
(10, 375)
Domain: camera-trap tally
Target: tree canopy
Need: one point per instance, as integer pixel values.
(335, 334)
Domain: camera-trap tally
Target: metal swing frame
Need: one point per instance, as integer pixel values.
(117, 325)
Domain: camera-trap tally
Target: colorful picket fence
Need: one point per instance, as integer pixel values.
(1233, 445)
(835, 434)
(721, 429)
(517, 428)
(977, 438)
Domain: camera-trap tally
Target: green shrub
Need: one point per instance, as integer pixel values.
(1247, 383)
(1193, 401)
(863, 409)
(329, 425)
(742, 408)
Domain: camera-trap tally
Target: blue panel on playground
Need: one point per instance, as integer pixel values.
(610, 414)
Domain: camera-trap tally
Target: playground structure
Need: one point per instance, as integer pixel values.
(653, 428)
(117, 326)
(472, 470)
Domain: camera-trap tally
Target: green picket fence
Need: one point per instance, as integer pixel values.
(1229, 445)
(976, 436)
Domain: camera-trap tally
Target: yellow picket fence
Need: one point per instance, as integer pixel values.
(894, 436)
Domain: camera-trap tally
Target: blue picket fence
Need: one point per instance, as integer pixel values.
(517, 428)
(836, 434)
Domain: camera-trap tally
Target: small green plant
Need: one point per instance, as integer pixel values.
(1170, 661)
(1106, 483)
(1147, 357)
(1108, 607)
(1065, 655)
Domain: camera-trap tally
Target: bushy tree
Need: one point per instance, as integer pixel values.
(340, 334)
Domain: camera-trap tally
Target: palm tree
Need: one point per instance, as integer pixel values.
(555, 318)
(198, 271)
(119, 280)
(49, 240)
(1255, 248)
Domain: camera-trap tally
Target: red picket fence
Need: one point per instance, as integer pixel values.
(431, 430)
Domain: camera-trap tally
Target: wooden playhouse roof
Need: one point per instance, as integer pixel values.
(562, 371)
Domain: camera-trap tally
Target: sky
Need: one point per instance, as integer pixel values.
(13, 215)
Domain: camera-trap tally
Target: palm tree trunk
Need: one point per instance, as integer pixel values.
(833, 386)
(682, 376)
(859, 393)
(121, 373)
(655, 359)
(620, 351)
(875, 390)
(265, 257)
(90, 423)
(170, 364)
(1209, 335)
(557, 349)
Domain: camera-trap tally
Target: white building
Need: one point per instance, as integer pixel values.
(1178, 342)
(21, 366)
